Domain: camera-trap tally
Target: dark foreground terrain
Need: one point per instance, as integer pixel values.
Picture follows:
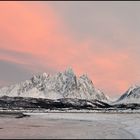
(20, 103)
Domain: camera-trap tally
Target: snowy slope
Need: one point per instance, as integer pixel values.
(132, 95)
(61, 85)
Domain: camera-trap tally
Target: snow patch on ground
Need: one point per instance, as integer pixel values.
(128, 123)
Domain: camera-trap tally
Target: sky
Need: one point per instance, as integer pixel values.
(100, 39)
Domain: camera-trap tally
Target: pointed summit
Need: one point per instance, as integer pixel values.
(45, 75)
(131, 95)
(69, 71)
(84, 76)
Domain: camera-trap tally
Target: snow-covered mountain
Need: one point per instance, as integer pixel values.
(61, 85)
(132, 95)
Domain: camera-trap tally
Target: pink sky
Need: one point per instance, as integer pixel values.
(39, 31)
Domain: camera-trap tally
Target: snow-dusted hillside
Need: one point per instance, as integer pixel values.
(61, 85)
(132, 95)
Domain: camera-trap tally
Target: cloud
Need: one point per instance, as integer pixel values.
(36, 38)
(11, 73)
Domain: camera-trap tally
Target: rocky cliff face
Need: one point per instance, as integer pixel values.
(61, 85)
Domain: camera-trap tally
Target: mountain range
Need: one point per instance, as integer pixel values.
(64, 90)
(61, 85)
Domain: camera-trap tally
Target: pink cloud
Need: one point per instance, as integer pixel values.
(37, 30)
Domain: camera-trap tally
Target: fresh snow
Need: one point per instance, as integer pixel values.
(129, 124)
(66, 85)
(132, 95)
(72, 125)
(61, 85)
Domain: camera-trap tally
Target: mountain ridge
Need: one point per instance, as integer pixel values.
(132, 95)
(66, 84)
(60, 85)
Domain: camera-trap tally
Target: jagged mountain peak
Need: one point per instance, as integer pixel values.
(45, 75)
(69, 71)
(60, 85)
(84, 76)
